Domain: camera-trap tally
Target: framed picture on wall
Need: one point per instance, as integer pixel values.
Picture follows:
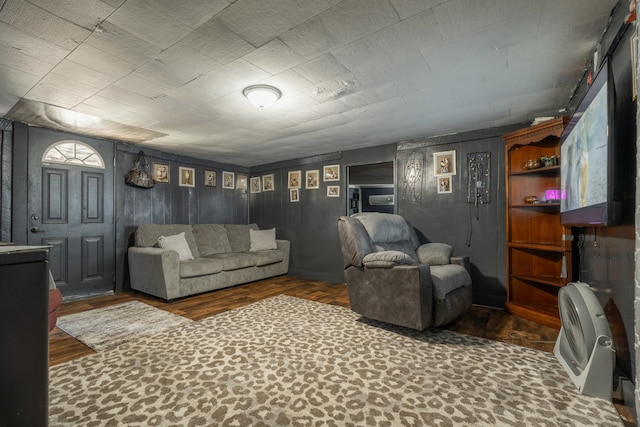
(229, 180)
(187, 177)
(312, 180)
(241, 182)
(210, 178)
(255, 184)
(331, 173)
(267, 183)
(294, 194)
(444, 163)
(333, 191)
(160, 172)
(444, 184)
(294, 178)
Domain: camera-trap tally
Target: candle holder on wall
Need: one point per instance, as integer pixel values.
(479, 182)
(412, 186)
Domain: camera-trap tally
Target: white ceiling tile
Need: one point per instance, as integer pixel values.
(86, 13)
(101, 61)
(168, 68)
(30, 46)
(333, 28)
(407, 8)
(321, 69)
(120, 43)
(258, 21)
(148, 23)
(82, 75)
(54, 96)
(274, 57)
(218, 42)
(192, 14)
(41, 24)
(139, 83)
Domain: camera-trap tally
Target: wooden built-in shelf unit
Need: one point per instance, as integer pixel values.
(539, 249)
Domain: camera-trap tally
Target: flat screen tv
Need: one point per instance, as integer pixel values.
(586, 157)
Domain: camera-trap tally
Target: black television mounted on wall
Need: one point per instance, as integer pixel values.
(587, 159)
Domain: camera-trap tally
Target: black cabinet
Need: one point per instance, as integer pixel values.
(24, 336)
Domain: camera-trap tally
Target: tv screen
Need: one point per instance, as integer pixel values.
(585, 153)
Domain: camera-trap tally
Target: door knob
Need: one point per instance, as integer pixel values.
(36, 230)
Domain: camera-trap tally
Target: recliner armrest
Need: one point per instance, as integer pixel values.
(463, 261)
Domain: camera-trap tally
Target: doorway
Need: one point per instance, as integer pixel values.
(70, 208)
(371, 188)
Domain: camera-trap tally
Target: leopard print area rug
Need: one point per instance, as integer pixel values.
(286, 361)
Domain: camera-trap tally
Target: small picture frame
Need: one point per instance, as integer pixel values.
(294, 178)
(241, 182)
(444, 184)
(210, 178)
(312, 180)
(333, 191)
(268, 183)
(294, 194)
(187, 177)
(161, 172)
(331, 173)
(255, 184)
(444, 163)
(229, 180)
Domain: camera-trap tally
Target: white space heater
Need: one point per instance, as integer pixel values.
(584, 346)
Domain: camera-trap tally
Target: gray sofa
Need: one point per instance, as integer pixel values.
(222, 257)
(394, 278)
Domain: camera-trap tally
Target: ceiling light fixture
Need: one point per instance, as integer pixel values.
(262, 96)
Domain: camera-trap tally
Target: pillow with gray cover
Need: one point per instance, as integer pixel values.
(435, 253)
(176, 243)
(262, 240)
(386, 259)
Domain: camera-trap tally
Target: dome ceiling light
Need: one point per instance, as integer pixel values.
(262, 96)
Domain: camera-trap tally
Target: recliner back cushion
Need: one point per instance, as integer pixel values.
(384, 228)
(389, 232)
(211, 239)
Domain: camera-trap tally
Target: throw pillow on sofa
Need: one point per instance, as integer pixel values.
(262, 240)
(176, 243)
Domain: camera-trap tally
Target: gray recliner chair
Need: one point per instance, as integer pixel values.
(393, 278)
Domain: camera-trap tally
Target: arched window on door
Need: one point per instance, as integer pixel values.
(73, 152)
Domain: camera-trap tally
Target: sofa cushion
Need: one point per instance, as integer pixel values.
(147, 235)
(200, 267)
(387, 259)
(447, 278)
(176, 243)
(211, 239)
(262, 240)
(238, 235)
(235, 260)
(267, 257)
(435, 253)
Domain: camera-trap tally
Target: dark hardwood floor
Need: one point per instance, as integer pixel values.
(479, 321)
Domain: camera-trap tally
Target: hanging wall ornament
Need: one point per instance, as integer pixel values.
(479, 182)
(412, 186)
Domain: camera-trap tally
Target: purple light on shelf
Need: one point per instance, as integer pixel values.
(553, 194)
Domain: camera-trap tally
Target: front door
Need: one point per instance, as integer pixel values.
(70, 208)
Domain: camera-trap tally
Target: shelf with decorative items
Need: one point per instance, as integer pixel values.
(539, 249)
